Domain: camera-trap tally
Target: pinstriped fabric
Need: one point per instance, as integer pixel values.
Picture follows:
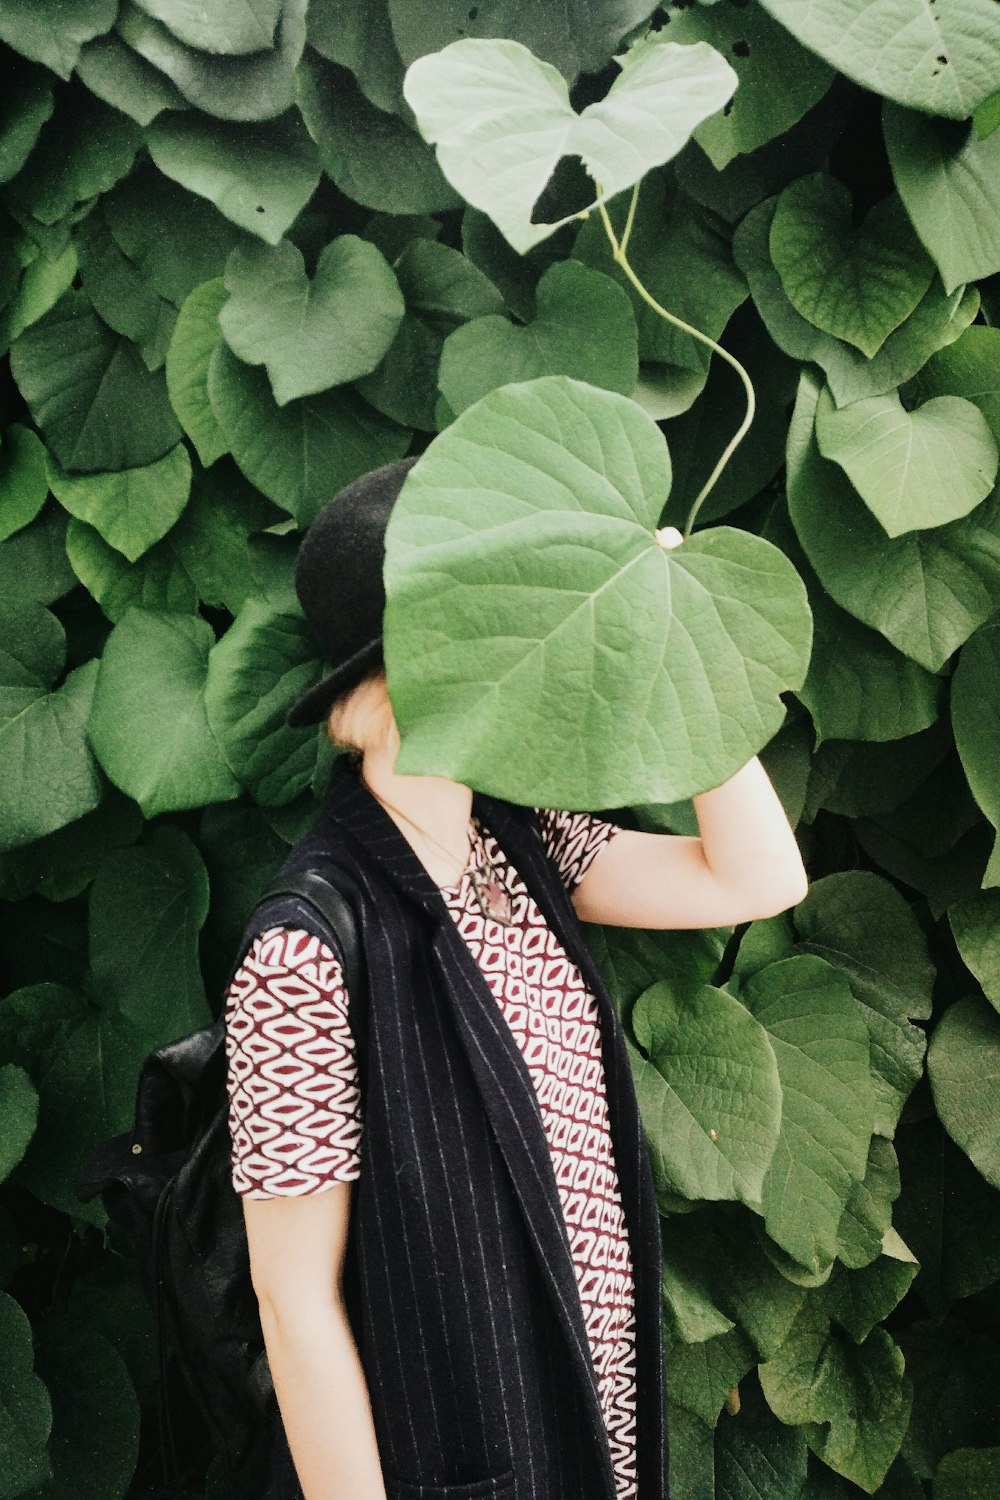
(460, 1284)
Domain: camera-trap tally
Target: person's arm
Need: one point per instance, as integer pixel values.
(745, 864)
(297, 1250)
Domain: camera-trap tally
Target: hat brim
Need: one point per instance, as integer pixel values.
(317, 702)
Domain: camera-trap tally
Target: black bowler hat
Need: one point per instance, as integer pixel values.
(338, 578)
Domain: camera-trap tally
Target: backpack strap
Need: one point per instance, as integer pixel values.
(338, 914)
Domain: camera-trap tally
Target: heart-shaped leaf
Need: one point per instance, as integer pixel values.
(950, 182)
(913, 469)
(856, 284)
(926, 591)
(542, 646)
(311, 334)
(502, 121)
(969, 368)
(132, 508)
(583, 326)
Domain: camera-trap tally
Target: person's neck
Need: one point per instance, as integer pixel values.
(440, 810)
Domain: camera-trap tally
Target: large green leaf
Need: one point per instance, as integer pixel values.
(197, 247)
(32, 654)
(25, 1408)
(49, 773)
(28, 103)
(311, 332)
(950, 182)
(858, 1300)
(42, 284)
(821, 1046)
(573, 677)
(29, 29)
(926, 591)
(301, 454)
(869, 1210)
(857, 284)
(256, 86)
(214, 539)
(938, 59)
(583, 327)
(259, 176)
(501, 121)
(859, 687)
(935, 321)
(67, 167)
(89, 391)
(357, 35)
(913, 469)
(757, 1456)
(374, 157)
(710, 1093)
(580, 35)
(963, 1063)
(148, 726)
(682, 259)
(975, 715)
(94, 1444)
(119, 293)
(147, 906)
(237, 27)
(132, 508)
(23, 483)
(263, 663)
(195, 336)
(970, 367)
(701, 1376)
(862, 925)
(779, 79)
(852, 1401)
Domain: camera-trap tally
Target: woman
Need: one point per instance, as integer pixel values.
(501, 1336)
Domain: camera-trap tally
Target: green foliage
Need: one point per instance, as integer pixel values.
(250, 251)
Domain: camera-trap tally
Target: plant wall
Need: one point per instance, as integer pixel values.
(236, 271)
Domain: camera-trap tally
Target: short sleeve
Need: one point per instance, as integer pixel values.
(294, 1102)
(573, 841)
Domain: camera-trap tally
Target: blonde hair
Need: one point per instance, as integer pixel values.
(362, 718)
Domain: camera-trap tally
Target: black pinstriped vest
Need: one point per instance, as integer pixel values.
(459, 1280)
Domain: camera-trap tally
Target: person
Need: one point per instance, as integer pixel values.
(503, 1336)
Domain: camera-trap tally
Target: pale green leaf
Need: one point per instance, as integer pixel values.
(29, 29)
(236, 27)
(914, 469)
(501, 121)
(550, 684)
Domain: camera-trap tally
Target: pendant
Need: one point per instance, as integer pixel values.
(493, 897)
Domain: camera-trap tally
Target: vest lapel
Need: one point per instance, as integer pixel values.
(504, 1082)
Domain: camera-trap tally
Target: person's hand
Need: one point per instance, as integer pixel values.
(669, 536)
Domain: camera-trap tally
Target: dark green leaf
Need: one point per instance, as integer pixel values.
(122, 78)
(18, 1118)
(869, 1209)
(301, 454)
(757, 1456)
(194, 251)
(119, 293)
(195, 336)
(259, 176)
(95, 1422)
(377, 159)
(132, 508)
(25, 1409)
(69, 166)
(29, 29)
(701, 1376)
(963, 1063)
(158, 581)
(948, 1215)
(976, 925)
(23, 483)
(357, 35)
(257, 86)
(968, 1471)
(49, 773)
(27, 104)
(237, 27)
(88, 390)
(148, 725)
(975, 714)
(147, 906)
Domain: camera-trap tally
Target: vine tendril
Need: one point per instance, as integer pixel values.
(618, 251)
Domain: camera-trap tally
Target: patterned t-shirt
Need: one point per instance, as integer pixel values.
(295, 1111)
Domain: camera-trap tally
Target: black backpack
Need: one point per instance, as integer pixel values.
(169, 1182)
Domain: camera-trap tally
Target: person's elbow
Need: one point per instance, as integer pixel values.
(778, 895)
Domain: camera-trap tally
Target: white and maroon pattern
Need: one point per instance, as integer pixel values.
(295, 1109)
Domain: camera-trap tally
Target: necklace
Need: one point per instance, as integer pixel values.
(492, 895)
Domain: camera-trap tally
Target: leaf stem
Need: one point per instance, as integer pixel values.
(618, 249)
